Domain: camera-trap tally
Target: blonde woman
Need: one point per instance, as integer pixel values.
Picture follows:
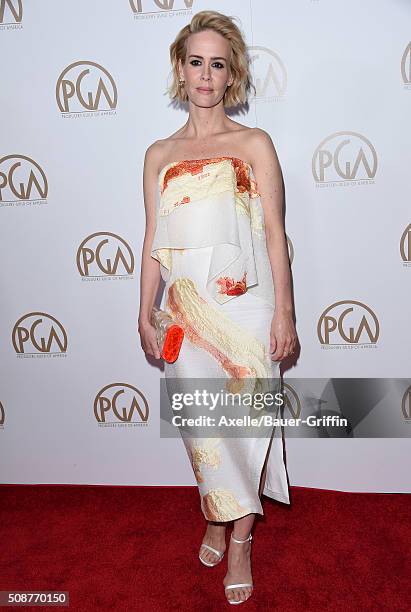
(215, 233)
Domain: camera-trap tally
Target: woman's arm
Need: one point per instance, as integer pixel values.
(150, 267)
(267, 172)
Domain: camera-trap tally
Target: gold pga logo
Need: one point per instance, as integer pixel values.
(124, 403)
(406, 67)
(11, 12)
(269, 74)
(406, 405)
(148, 7)
(22, 180)
(405, 246)
(104, 254)
(344, 158)
(86, 87)
(39, 333)
(348, 324)
(292, 402)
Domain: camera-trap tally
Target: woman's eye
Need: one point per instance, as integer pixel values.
(218, 65)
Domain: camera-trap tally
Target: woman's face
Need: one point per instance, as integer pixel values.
(206, 69)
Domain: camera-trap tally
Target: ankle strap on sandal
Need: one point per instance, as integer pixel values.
(250, 537)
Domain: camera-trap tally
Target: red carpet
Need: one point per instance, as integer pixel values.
(135, 548)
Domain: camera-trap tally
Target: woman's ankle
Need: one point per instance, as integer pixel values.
(217, 526)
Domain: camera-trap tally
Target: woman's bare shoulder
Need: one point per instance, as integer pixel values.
(256, 134)
(160, 150)
(248, 141)
(260, 145)
(154, 155)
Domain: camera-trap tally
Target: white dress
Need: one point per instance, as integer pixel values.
(210, 242)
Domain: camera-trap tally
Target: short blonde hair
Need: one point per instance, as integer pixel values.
(239, 61)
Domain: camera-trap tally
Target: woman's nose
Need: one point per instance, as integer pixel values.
(206, 72)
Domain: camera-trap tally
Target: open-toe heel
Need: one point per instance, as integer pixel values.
(244, 584)
(219, 554)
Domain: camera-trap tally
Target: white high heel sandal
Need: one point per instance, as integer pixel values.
(219, 554)
(244, 584)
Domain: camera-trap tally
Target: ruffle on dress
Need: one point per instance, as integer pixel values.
(214, 202)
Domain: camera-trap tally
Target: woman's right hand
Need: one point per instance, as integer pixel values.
(148, 339)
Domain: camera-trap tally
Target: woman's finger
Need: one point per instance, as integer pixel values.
(156, 351)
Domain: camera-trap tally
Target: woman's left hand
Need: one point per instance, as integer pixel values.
(283, 336)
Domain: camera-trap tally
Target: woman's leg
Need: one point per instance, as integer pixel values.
(239, 563)
(214, 537)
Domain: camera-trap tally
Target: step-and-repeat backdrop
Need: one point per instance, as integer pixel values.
(82, 97)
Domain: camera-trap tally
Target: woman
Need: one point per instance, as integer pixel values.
(214, 232)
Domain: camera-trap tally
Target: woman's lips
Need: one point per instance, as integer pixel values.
(202, 90)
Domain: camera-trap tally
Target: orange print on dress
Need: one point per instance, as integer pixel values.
(244, 183)
(229, 286)
(195, 166)
(185, 200)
